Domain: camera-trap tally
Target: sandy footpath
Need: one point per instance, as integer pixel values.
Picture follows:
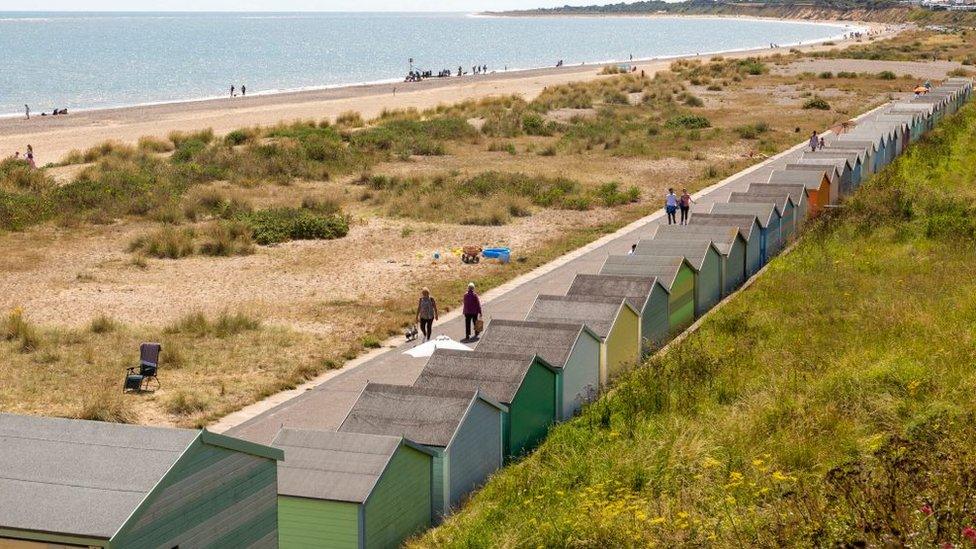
(53, 137)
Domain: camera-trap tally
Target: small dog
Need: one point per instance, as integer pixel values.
(411, 333)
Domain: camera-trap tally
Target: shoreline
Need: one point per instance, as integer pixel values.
(55, 136)
(393, 81)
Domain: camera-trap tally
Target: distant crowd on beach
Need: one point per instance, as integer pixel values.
(55, 112)
(417, 75)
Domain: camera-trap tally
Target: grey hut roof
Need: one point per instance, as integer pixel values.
(811, 159)
(694, 250)
(498, 375)
(745, 223)
(809, 178)
(723, 238)
(83, 478)
(797, 193)
(598, 313)
(664, 268)
(333, 466)
(763, 211)
(854, 144)
(551, 341)
(424, 415)
(635, 289)
(852, 156)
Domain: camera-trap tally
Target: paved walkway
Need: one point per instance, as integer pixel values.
(325, 405)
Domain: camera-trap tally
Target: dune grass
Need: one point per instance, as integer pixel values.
(831, 404)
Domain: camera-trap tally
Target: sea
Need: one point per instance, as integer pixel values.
(83, 61)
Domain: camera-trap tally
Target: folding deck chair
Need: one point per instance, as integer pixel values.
(148, 368)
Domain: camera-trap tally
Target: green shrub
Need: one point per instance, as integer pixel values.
(165, 243)
(155, 144)
(240, 136)
(826, 75)
(283, 224)
(817, 102)
(102, 324)
(688, 121)
(17, 328)
(887, 75)
(534, 124)
(350, 119)
(611, 195)
(185, 402)
(226, 238)
(752, 131)
(846, 74)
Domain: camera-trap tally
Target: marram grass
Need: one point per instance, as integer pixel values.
(830, 403)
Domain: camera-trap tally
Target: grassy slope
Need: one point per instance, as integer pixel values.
(831, 402)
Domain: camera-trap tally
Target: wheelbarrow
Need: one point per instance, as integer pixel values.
(471, 254)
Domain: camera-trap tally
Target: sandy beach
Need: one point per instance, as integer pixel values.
(53, 137)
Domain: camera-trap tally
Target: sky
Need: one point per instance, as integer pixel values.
(282, 5)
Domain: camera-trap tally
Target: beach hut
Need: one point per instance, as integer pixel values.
(749, 229)
(731, 246)
(815, 180)
(674, 273)
(351, 490)
(876, 143)
(840, 170)
(644, 293)
(784, 201)
(866, 147)
(523, 383)
(855, 160)
(767, 215)
(573, 349)
(613, 319)
(463, 430)
(704, 257)
(75, 483)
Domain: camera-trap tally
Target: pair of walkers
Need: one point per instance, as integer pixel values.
(427, 312)
(673, 202)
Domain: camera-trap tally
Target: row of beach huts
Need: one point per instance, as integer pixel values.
(405, 456)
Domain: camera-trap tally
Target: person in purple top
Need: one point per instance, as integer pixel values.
(471, 310)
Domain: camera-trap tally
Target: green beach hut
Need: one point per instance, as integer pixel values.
(791, 200)
(749, 229)
(732, 247)
(613, 319)
(767, 215)
(351, 490)
(868, 148)
(71, 483)
(572, 348)
(674, 273)
(462, 428)
(525, 384)
(645, 294)
(704, 257)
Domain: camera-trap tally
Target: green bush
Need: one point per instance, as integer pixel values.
(752, 131)
(688, 121)
(226, 238)
(283, 224)
(165, 243)
(534, 124)
(887, 75)
(818, 103)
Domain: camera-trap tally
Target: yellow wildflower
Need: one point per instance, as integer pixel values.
(657, 520)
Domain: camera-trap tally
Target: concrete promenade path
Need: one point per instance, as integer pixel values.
(323, 403)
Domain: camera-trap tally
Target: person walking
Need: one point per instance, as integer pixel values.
(426, 313)
(232, 90)
(671, 206)
(27, 111)
(471, 311)
(633, 249)
(822, 144)
(814, 141)
(30, 157)
(243, 90)
(685, 203)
